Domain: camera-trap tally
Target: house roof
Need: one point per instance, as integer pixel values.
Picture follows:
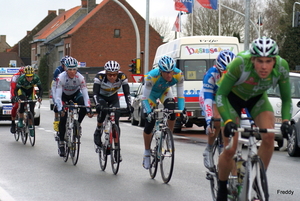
(87, 17)
(55, 23)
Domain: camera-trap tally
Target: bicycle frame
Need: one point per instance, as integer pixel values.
(72, 134)
(111, 141)
(162, 147)
(254, 167)
(28, 119)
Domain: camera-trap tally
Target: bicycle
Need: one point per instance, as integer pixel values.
(212, 173)
(111, 141)
(162, 149)
(28, 122)
(249, 182)
(72, 135)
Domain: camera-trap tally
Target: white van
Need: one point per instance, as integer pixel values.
(194, 55)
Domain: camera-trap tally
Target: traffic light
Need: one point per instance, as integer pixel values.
(297, 19)
(133, 66)
(138, 66)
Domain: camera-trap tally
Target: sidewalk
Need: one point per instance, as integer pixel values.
(195, 133)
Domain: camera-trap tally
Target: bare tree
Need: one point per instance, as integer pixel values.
(206, 21)
(163, 27)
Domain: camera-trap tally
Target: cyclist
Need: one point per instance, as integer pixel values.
(15, 104)
(157, 86)
(70, 86)
(57, 71)
(208, 103)
(24, 90)
(244, 85)
(106, 85)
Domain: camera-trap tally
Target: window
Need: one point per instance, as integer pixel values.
(67, 48)
(117, 33)
(194, 69)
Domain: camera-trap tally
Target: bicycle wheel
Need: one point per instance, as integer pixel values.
(167, 155)
(153, 155)
(212, 175)
(102, 152)
(255, 184)
(115, 148)
(17, 134)
(31, 128)
(24, 134)
(75, 143)
(67, 152)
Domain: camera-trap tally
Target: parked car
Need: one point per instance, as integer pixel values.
(133, 88)
(5, 102)
(293, 145)
(138, 117)
(274, 97)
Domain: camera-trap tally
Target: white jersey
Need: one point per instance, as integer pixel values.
(69, 86)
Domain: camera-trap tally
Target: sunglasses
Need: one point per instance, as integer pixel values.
(29, 76)
(71, 69)
(112, 75)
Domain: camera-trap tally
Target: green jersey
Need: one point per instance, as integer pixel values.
(242, 79)
(23, 84)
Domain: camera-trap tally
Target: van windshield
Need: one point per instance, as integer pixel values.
(194, 69)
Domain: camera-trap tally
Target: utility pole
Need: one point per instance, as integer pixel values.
(247, 24)
(146, 57)
(137, 34)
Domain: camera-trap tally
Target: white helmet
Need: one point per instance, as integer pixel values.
(112, 66)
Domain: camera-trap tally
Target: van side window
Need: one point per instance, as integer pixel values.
(194, 69)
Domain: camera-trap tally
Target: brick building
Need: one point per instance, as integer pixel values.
(94, 34)
(23, 47)
(3, 44)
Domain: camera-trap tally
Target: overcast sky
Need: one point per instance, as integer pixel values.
(19, 16)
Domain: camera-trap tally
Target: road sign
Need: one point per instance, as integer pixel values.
(137, 78)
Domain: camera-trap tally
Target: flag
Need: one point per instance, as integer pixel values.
(211, 4)
(177, 24)
(184, 5)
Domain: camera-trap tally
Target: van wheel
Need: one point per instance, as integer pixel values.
(37, 121)
(141, 119)
(177, 130)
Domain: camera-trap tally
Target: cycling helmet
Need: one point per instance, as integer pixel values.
(264, 47)
(28, 70)
(112, 66)
(62, 61)
(71, 62)
(223, 59)
(21, 70)
(166, 64)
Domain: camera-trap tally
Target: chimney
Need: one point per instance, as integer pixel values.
(28, 32)
(60, 11)
(91, 5)
(3, 38)
(51, 11)
(84, 3)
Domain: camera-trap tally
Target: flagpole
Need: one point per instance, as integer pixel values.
(219, 17)
(193, 11)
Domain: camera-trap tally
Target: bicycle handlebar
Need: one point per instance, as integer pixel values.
(258, 130)
(113, 109)
(28, 101)
(167, 111)
(77, 106)
(254, 129)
